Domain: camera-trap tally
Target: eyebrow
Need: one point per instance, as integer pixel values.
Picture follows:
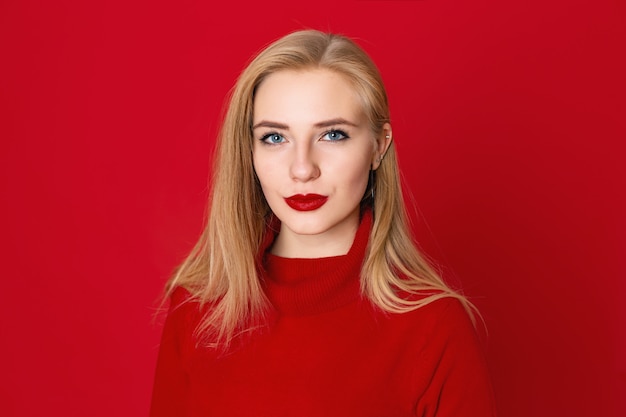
(325, 123)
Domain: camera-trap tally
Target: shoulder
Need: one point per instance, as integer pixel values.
(437, 308)
(185, 310)
(450, 312)
(440, 322)
(445, 332)
(457, 320)
(179, 297)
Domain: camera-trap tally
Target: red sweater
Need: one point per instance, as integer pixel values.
(327, 352)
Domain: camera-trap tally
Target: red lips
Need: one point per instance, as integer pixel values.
(308, 202)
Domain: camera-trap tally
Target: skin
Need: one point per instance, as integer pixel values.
(311, 136)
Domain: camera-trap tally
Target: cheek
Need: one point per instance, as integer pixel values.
(265, 171)
(356, 174)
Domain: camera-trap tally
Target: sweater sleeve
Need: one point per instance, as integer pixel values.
(459, 385)
(171, 379)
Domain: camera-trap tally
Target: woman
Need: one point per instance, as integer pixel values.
(305, 295)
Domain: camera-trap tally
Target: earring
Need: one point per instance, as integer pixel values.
(387, 136)
(372, 185)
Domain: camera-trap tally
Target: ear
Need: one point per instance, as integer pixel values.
(382, 144)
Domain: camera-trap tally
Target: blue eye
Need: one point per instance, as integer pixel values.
(335, 135)
(272, 138)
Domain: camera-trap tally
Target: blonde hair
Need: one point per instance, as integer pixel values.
(222, 268)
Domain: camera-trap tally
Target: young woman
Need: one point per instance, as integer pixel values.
(305, 295)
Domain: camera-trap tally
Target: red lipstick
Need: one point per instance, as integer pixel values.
(306, 202)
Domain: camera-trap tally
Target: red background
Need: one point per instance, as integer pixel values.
(509, 118)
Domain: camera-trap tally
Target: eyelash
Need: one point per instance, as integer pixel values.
(337, 131)
(265, 138)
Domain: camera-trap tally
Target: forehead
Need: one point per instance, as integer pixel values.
(306, 95)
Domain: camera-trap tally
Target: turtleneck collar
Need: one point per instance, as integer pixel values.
(302, 286)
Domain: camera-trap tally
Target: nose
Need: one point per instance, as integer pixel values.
(304, 166)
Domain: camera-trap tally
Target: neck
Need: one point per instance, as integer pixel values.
(334, 242)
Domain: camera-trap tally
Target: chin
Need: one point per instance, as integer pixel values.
(305, 227)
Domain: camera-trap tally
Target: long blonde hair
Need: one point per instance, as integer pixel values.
(222, 268)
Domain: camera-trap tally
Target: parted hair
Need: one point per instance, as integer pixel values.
(222, 268)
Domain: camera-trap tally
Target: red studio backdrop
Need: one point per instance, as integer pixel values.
(509, 119)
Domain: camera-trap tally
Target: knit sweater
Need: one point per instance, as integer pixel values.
(326, 351)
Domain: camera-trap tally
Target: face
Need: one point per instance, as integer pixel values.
(313, 150)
